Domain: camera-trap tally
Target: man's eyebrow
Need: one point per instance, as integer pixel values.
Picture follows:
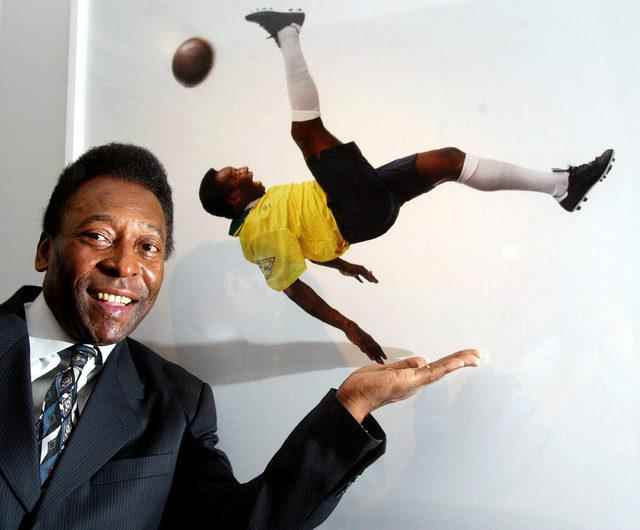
(96, 217)
(109, 219)
(154, 228)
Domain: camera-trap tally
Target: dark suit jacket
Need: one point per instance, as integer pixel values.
(144, 456)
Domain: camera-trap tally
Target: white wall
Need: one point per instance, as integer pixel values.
(546, 434)
(34, 40)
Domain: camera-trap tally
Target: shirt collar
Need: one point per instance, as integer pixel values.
(236, 223)
(46, 337)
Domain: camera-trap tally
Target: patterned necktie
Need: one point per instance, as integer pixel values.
(60, 407)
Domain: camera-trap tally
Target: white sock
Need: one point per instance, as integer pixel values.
(303, 94)
(491, 175)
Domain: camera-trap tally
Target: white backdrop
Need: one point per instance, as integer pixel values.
(33, 89)
(546, 434)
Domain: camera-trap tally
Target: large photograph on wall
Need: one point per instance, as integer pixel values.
(357, 184)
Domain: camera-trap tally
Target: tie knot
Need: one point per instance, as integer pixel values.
(81, 353)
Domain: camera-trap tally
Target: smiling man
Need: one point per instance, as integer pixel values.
(105, 267)
(100, 432)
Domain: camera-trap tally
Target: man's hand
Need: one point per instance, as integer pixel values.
(373, 386)
(349, 269)
(355, 271)
(365, 342)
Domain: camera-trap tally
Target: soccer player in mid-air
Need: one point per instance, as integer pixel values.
(349, 201)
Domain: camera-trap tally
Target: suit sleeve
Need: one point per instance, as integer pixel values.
(300, 486)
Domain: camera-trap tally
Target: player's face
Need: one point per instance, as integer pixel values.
(240, 180)
(105, 267)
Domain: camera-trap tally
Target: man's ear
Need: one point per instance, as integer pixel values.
(42, 253)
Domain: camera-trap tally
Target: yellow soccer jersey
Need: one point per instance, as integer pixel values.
(289, 224)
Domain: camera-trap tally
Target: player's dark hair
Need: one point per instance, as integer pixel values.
(213, 197)
(123, 161)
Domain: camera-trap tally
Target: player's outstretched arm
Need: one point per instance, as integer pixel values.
(349, 269)
(306, 298)
(374, 386)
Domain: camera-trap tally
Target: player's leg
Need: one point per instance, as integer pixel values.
(569, 186)
(450, 164)
(307, 128)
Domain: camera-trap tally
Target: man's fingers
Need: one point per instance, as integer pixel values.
(438, 369)
(367, 344)
(376, 357)
(369, 276)
(379, 355)
(361, 270)
(376, 353)
(375, 348)
(468, 356)
(410, 362)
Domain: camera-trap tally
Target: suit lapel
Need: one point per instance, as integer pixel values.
(18, 451)
(112, 417)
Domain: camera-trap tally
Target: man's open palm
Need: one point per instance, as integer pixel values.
(373, 386)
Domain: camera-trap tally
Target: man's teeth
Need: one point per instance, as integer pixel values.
(113, 299)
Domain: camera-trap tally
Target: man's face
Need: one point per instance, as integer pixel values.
(105, 267)
(239, 186)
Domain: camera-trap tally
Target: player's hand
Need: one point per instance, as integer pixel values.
(356, 271)
(365, 342)
(373, 386)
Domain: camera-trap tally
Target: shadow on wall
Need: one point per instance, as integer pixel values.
(241, 361)
(230, 327)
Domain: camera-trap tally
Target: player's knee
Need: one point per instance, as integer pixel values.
(451, 158)
(306, 132)
(311, 137)
(453, 154)
(440, 164)
(295, 132)
(305, 144)
(299, 135)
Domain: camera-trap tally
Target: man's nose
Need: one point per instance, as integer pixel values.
(121, 263)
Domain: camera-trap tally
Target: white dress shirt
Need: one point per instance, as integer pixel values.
(46, 339)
